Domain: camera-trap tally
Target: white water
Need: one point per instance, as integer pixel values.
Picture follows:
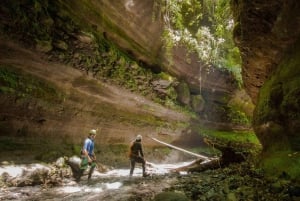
(152, 168)
(17, 170)
(101, 183)
(95, 189)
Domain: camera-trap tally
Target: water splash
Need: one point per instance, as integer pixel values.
(18, 170)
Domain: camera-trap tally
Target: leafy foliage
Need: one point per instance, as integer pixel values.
(205, 28)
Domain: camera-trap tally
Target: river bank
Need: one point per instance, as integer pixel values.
(233, 183)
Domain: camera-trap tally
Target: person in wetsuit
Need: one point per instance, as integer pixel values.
(136, 155)
(88, 157)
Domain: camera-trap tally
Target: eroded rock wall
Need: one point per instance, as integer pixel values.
(267, 33)
(137, 27)
(68, 32)
(263, 31)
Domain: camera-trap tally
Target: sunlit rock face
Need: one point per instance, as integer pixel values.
(267, 33)
(137, 27)
(83, 103)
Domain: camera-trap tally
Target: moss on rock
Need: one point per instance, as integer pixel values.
(277, 114)
(22, 85)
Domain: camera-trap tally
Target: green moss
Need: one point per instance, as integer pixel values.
(52, 20)
(232, 136)
(49, 155)
(76, 149)
(23, 85)
(30, 19)
(88, 11)
(51, 150)
(170, 196)
(279, 96)
(9, 144)
(33, 148)
(287, 76)
(244, 142)
(191, 21)
(277, 113)
(165, 76)
(240, 108)
(238, 116)
(277, 163)
(114, 154)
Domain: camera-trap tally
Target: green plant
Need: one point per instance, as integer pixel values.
(237, 116)
(205, 28)
(231, 136)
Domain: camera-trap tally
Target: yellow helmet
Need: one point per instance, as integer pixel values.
(93, 132)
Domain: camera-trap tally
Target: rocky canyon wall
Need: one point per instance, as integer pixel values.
(267, 34)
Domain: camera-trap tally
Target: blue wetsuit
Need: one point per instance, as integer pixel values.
(89, 146)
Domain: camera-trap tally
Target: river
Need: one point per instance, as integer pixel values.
(112, 185)
(236, 182)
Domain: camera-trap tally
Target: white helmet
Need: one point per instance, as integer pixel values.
(138, 137)
(93, 132)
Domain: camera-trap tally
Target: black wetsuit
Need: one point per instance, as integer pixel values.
(137, 156)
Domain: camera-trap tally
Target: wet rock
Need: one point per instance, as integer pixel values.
(237, 182)
(183, 93)
(60, 162)
(3, 179)
(162, 87)
(85, 38)
(35, 174)
(197, 103)
(5, 163)
(74, 163)
(31, 178)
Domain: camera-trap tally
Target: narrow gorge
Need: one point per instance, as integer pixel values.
(218, 78)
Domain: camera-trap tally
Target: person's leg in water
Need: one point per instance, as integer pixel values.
(145, 174)
(83, 166)
(132, 165)
(93, 165)
(144, 167)
(143, 162)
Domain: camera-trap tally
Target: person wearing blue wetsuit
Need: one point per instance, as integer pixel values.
(87, 154)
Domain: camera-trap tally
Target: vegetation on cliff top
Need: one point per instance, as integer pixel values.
(205, 28)
(53, 28)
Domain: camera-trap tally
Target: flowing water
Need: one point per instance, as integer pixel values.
(114, 184)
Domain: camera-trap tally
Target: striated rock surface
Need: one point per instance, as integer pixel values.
(137, 27)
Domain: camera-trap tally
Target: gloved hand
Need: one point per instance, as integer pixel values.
(92, 158)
